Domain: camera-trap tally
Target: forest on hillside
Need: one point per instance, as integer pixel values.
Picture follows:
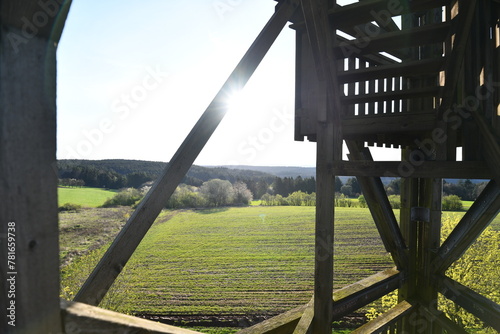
(117, 174)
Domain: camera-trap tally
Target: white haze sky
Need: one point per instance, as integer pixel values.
(134, 77)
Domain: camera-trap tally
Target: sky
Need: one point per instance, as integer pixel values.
(134, 77)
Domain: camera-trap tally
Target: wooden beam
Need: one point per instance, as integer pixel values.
(139, 223)
(443, 321)
(402, 123)
(454, 61)
(470, 227)
(471, 301)
(359, 294)
(281, 324)
(366, 11)
(382, 322)
(305, 324)
(29, 231)
(83, 318)
(401, 39)
(441, 169)
(490, 145)
(395, 95)
(409, 230)
(329, 149)
(381, 209)
(407, 68)
(347, 300)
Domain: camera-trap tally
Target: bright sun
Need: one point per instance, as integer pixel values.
(239, 105)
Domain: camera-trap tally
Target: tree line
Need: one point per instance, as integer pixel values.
(78, 173)
(466, 190)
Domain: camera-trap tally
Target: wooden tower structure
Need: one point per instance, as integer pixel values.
(419, 75)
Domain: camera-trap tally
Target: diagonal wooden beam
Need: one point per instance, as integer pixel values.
(473, 223)
(347, 300)
(483, 308)
(490, 144)
(139, 223)
(305, 323)
(442, 320)
(381, 209)
(381, 323)
(359, 294)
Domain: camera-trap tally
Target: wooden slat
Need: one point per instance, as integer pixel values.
(428, 34)
(83, 318)
(471, 301)
(362, 12)
(396, 123)
(396, 95)
(441, 169)
(409, 68)
(385, 320)
(470, 227)
(361, 293)
(139, 223)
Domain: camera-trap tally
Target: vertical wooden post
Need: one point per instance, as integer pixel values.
(329, 149)
(325, 194)
(409, 199)
(429, 241)
(29, 238)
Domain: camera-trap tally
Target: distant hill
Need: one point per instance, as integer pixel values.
(281, 171)
(196, 174)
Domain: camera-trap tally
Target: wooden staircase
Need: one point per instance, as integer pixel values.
(392, 75)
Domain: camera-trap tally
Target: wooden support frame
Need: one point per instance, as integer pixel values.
(440, 169)
(329, 149)
(470, 227)
(150, 207)
(29, 231)
(381, 209)
(471, 301)
(346, 300)
(82, 318)
(359, 294)
(383, 322)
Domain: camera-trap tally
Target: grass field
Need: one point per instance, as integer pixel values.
(253, 260)
(86, 197)
(241, 261)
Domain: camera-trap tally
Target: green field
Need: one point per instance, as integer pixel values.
(86, 197)
(253, 261)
